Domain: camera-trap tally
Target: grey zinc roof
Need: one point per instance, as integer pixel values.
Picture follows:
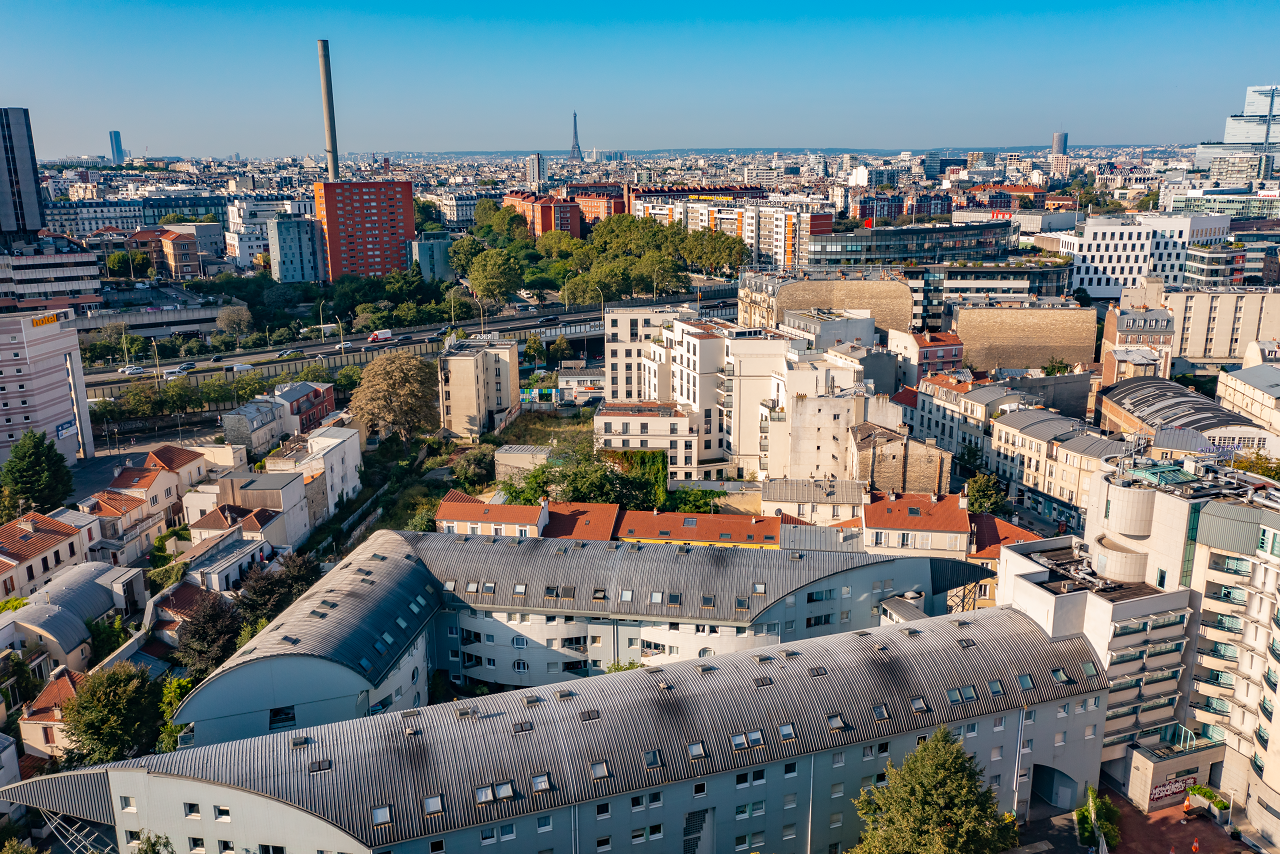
(1041, 424)
(525, 449)
(1265, 378)
(1088, 445)
(262, 480)
(1233, 527)
(60, 609)
(398, 760)
(289, 392)
(1163, 403)
(985, 394)
(813, 491)
(1181, 439)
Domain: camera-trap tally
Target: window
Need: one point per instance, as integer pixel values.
(789, 770)
(281, 718)
(1091, 731)
(835, 723)
(484, 795)
(599, 770)
(837, 759)
(602, 810)
(1029, 716)
(128, 804)
(881, 712)
(788, 831)
(507, 831)
(653, 759)
(995, 687)
(999, 724)
(1064, 710)
(994, 781)
(697, 750)
(544, 823)
(837, 790)
(837, 819)
(432, 804)
(381, 815)
(699, 790)
(757, 777)
(1025, 682)
(1027, 744)
(195, 843)
(602, 844)
(1060, 675)
(191, 810)
(222, 813)
(997, 753)
(786, 732)
(1059, 739)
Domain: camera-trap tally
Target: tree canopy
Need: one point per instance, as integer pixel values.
(208, 637)
(397, 393)
(986, 496)
(114, 714)
(936, 803)
(37, 473)
(578, 472)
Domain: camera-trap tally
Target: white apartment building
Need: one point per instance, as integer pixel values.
(42, 384)
(479, 384)
(1113, 252)
(247, 219)
(630, 370)
(331, 451)
(957, 413)
(776, 232)
(1254, 393)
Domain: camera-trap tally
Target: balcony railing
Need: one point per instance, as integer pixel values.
(1212, 708)
(1274, 649)
(1266, 708)
(1219, 680)
(1221, 651)
(1273, 682)
(1258, 764)
(1222, 567)
(1228, 599)
(1233, 627)
(1263, 736)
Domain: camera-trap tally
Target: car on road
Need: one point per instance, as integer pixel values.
(135, 370)
(215, 358)
(286, 353)
(187, 366)
(174, 373)
(125, 369)
(434, 337)
(370, 348)
(405, 338)
(345, 345)
(553, 320)
(241, 366)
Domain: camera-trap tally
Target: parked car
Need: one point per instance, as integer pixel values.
(187, 366)
(215, 358)
(345, 345)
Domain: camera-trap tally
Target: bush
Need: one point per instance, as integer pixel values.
(1084, 828)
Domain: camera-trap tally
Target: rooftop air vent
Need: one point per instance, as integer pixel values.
(563, 695)
(908, 631)
(532, 700)
(706, 668)
(653, 670)
(461, 538)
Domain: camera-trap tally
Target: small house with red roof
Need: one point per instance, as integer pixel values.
(159, 487)
(258, 523)
(190, 466)
(906, 524)
(34, 549)
(471, 516)
(41, 726)
(128, 525)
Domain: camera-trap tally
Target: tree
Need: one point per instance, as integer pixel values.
(533, 350)
(173, 218)
(179, 395)
(280, 298)
(113, 715)
(37, 473)
(153, 843)
(298, 572)
(1258, 463)
(1056, 367)
(216, 390)
(172, 693)
(248, 632)
(484, 212)
(561, 349)
(208, 637)
(1082, 296)
(397, 393)
(425, 215)
(463, 252)
(614, 667)
(235, 320)
(13, 846)
(248, 384)
(124, 265)
(986, 496)
(261, 596)
(347, 379)
(936, 803)
(495, 276)
(105, 637)
(694, 500)
(11, 506)
(1025, 203)
(314, 373)
(476, 468)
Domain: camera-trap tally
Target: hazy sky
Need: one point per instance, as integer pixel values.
(208, 79)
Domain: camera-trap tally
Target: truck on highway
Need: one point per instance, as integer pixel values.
(381, 335)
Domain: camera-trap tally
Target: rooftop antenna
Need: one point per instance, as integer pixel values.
(330, 125)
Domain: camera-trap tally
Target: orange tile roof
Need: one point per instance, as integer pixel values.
(183, 600)
(788, 519)
(990, 533)
(112, 503)
(226, 516)
(453, 496)
(581, 521)
(944, 515)
(171, 457)
(18, 544)
(60, 689)
(906, 397)
(498, 514)
(706, 527)
(134, 478)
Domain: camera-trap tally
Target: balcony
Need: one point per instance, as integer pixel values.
(1219, 652)
(1220, 687)
(1210, 711)
(1262, 736)
(1227, 573)
(1267, 708)
(1270, 678)
(1258, 764)
(1222, 629)
(1233, 605)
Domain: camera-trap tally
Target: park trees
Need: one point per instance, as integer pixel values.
(114, 713)
(235, 320)
(495, 276)
(397, 392)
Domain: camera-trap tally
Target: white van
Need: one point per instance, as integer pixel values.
(240, 366)
(174, 373)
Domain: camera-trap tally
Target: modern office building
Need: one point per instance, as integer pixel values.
(431, 250)
(20, 219)
(933, 243)
(535, 169)
(293, 243)
(117, 148)
(365, 227)
(1143, 405)
(1241, 168)
(1059, 143)
(769, 750)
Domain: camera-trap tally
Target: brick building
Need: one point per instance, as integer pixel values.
(181, 257)
(597, 206)
(366, 226)
(546, 213)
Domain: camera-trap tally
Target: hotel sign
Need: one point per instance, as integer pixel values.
(66, 428)
(44, 320)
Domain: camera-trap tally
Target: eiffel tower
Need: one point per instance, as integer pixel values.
(575, 151)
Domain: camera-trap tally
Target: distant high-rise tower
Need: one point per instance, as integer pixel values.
(20, 215)
(1059, 143)
(575, 151)
(117, 149)
(535, 169)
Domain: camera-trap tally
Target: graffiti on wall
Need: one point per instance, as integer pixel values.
(1169, 788)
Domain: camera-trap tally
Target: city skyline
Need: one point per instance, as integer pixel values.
(640, 102)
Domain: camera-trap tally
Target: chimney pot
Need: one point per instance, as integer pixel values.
(26, 524)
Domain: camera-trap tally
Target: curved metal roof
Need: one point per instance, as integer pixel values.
(400, 759)
(1163, 403)
(61, 608)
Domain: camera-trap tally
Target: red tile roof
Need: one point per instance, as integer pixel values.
(499, 514)
(990, 533)
(581, 521)
(906, 397)
(61, 688)
(928, 515)
(112, 503)
(19, 544)
(226, 516)
(172, 458)
(134, 478)
(453, 496)
(705, 527)
(788, 519)
(183, 600)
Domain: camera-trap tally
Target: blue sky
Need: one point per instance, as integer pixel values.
(208, 79)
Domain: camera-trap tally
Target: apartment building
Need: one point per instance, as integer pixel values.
(42, 384)
(1143, 405)
(812, 501)
(189, 466)
(1112, 253)
(932, 243)
(460, 513)
(1146, 328)
(957, 414)
(923, 353)
(629, 371)
(777, 233)
(329, 459)
(458, 210)
(479, 384)
(1047, 460)
(49, 280)
(913, 523)
(305, 404)
(546, 213)
(365, 226)
(181, 255)
(599, 206)
(725, 530)
(655, 425)
(294, 241)
(159, 488)
(285, 492)
(1215, 265)
(257, 425)
(127, 526)
(782, 773)
(1254, 393)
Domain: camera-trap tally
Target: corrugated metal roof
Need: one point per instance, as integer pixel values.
(988, 393)
(398, 761)
(1089, 445)
(813, 491)
(1233, 527)
(1181, 439)
(1159, 402)
(525, 449)
(820, 538)
(60, 609)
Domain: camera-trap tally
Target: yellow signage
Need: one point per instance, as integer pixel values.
(44, 320)
(713, 198)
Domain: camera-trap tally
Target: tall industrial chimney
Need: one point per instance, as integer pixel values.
(330, 126)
